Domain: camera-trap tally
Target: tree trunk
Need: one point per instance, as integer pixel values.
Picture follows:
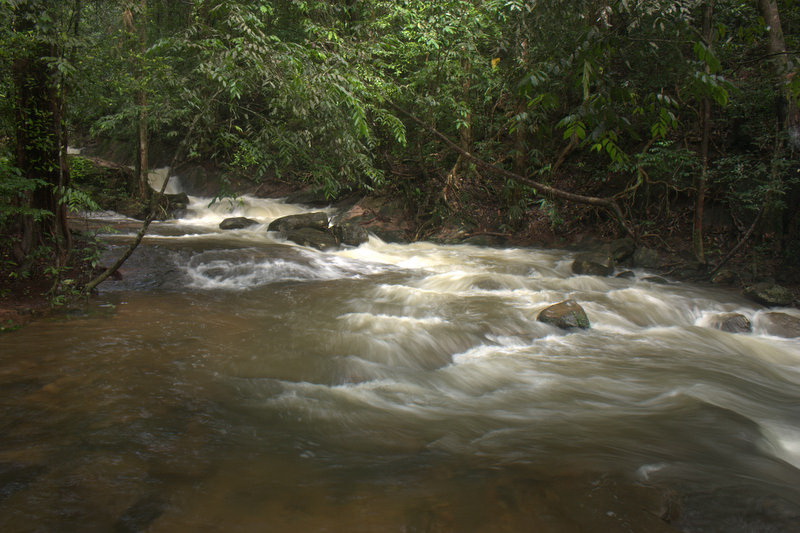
(455, 177)
(137, 29)
(606, 203)
(40, 137)
(787, 114)
(701, 185)
(144, 147)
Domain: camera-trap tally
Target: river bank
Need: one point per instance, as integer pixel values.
(391, 217)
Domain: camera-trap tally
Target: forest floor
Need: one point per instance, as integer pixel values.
(24, 297)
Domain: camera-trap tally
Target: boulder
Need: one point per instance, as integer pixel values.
(237, 223)
(565, 315)
(312, 237)
(178, 201)
(621, 249)
(314, 197)
(389, 234)
(626, 274)
(170, 206)
(658, 280)
(486, 240)
(350, 234)
(781, 324)
(724, 277)
(316, 220)
(769, 294)
(646, 258)
(732, 323)
(592, 265)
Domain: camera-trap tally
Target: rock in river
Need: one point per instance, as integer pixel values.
(565, 315)
(315, 238)
(732, 323)
(781, 325)
(592, 265)
(769, 294)
(316, 220)
(237, 223)
(350, 234)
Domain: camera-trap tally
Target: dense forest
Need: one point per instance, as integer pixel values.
(674, 123)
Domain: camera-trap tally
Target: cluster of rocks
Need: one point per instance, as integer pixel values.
(772, 323)
(317, 230)
(604, 261)
(606, 258)
(308, 229)
(569, 315)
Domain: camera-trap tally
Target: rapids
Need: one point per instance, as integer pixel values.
(232, 381)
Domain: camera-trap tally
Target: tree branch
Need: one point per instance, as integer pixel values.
(154, 200)
(605, 203)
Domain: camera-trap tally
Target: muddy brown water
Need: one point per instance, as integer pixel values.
(235, 382)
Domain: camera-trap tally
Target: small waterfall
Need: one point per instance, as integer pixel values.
(156, 179)
(208, 213)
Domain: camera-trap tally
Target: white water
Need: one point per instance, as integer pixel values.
(431, 357)
(465, 317)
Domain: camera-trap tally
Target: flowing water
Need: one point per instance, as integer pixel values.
(235, 382)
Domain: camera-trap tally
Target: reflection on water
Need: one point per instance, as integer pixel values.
(233, 382)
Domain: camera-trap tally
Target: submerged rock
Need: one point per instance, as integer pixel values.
(781, 325)
(658, 280)
(565, 315)
(769, 294)
(316, 220)
(592, 265)
(237, 223)
(732, 323)
(141, 514)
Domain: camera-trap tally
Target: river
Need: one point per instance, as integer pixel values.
(232, 381)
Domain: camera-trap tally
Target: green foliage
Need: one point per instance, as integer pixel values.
(669, 165)
(14, 191)
(306, 92)
(76, 199)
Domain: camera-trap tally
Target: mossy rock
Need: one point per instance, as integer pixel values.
(350, 234)
(237, 223)
(316, 220)
(565, 315)
(769, 294)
